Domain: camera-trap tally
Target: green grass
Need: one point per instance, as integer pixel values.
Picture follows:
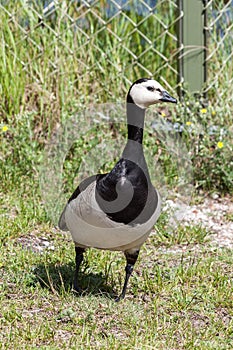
(180, 294)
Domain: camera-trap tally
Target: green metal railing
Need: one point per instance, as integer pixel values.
(192, 41)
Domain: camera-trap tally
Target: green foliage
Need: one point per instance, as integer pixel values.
(208, 135)
(36, 95)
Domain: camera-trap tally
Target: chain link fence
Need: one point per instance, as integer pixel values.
(219, 31)
(95, 47)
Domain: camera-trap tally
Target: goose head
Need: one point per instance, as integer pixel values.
(145, 92)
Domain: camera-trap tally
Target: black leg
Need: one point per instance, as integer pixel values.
(131, 260)
(78, 259)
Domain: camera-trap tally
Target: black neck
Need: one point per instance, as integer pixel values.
(135, 133)
(135, 121)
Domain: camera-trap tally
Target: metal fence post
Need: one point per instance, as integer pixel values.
(192, 44)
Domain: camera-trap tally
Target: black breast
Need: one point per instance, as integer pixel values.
(126, 194)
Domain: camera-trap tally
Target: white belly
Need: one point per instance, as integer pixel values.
(90, 226)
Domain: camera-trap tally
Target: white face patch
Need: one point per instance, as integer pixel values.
(146, 93)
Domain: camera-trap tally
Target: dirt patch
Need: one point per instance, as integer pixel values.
(214, 214)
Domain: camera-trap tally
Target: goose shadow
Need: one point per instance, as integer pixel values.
(59, 279)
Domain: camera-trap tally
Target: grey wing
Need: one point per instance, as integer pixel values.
(62, 221)
(81, 187)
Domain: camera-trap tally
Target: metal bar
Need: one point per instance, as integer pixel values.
(191, 34)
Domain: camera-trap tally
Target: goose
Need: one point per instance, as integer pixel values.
(117, 210)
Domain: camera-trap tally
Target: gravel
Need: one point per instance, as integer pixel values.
(214, 213)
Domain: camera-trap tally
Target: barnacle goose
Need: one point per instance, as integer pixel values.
(117, 210)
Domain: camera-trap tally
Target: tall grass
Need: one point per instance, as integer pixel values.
(70, 59)
(49, 72)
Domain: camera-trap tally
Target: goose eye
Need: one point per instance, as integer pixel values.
(150, 88)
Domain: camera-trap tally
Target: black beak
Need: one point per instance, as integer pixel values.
(167, 98)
